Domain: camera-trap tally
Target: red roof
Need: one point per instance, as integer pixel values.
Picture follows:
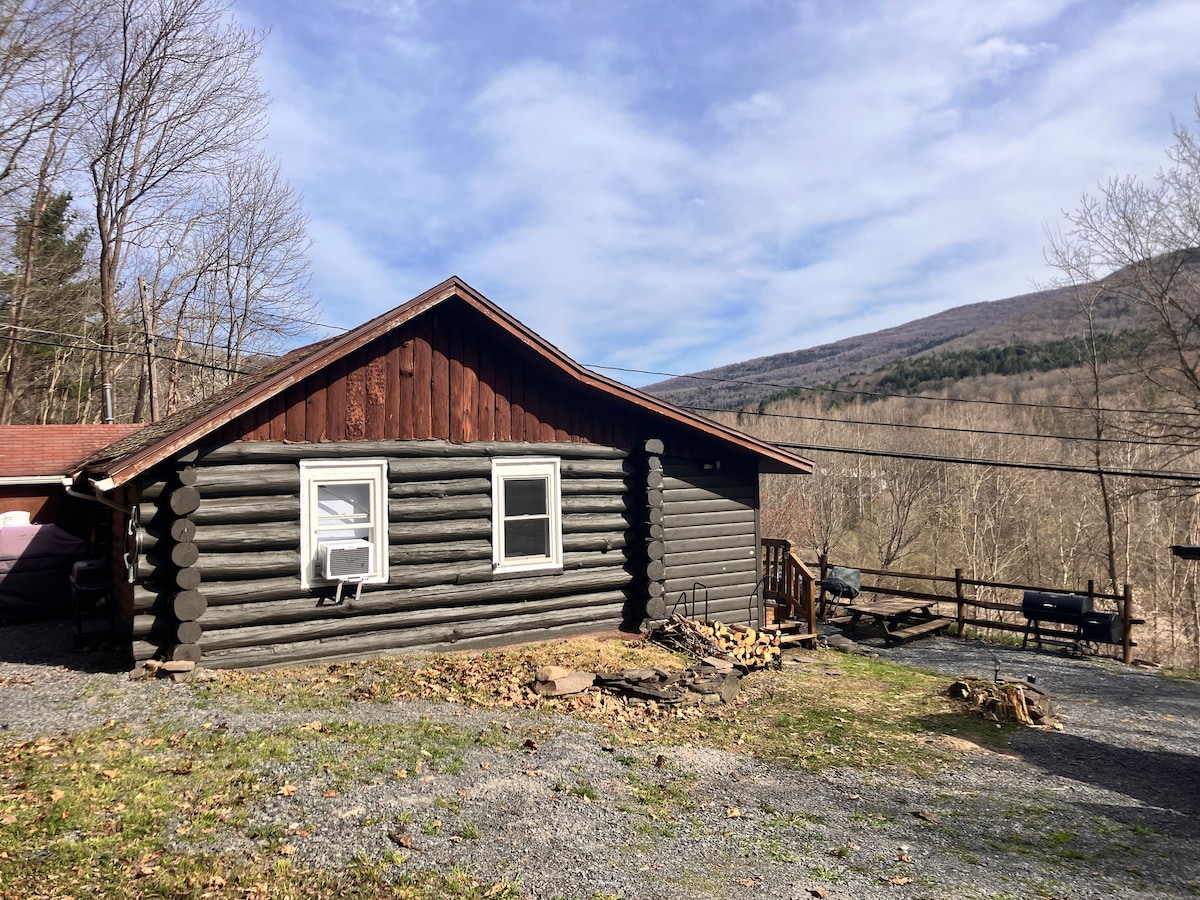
(39, 450)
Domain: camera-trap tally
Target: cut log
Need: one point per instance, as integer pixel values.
(593, 486)
(574, 683)
(442, 488)
(183, 500)
(188, 605)
(185, 652)
(413, 510)
(188, 632)
(232, 566)
(241, 536)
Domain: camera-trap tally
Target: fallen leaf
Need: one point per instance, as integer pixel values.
(313, 726)
(288, 790)
(818, 892)
(485, 765)
(926, 815)
(402, 840)
(530, 745)
(56, 795)
(330, 793)
(732, 812)
(903, 857)
(111, 774)
(534, 773)
(400, 773)
(287, 850)
(899, 880)
(746, 882)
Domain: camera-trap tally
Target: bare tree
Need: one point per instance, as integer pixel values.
(1139, 242)
(178, 97)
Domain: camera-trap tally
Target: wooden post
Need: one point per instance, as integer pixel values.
(960, 603)
(1127, 624)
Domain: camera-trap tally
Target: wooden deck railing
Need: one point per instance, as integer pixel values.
(788, 581)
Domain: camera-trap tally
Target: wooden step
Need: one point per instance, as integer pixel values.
(912, 631)
(796, 638)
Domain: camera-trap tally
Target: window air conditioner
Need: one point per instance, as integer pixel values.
(344, 561)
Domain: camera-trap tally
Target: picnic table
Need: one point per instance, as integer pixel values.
(900, 619)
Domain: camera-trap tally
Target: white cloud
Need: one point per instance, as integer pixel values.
(852, 167)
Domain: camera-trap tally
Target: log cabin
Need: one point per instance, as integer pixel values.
(439, 477)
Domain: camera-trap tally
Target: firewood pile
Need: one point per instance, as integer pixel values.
(744, 646)
(710, 681)
(1008, 700)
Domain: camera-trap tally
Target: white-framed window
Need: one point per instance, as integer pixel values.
(526, 515)
(343, 502)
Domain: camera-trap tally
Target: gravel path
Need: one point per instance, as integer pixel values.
(1107, 808)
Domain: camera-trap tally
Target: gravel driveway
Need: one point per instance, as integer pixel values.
(1107, 808)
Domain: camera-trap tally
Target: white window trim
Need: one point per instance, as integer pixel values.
(527, 467)
(314, 472)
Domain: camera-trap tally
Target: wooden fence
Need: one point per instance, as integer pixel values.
(782, 580)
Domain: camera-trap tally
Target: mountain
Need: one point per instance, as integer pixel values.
(1029, 318)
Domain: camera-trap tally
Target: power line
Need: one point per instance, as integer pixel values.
(886, 396)
(96, 348)
(996, 463)
(943, 428)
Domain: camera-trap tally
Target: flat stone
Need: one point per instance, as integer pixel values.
(571, 683)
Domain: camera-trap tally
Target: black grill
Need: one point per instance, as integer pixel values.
(1065, 609)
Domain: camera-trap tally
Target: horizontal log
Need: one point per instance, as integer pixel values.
(655, 549)
(144, 650)
(387, 600)
(442, 551)
(747, 555)
(592, 503)
(248, 478)
(706, 507)
(656, 570)
(654, 463)
(656, 589)
(449, 530)
(653, 446)
(575, 523)
(683, 581)
(147, 623)
(235, 510)
(416, 510)
(736, 539)
(742, 497)
(153, 488)
(593, 486)
(597, 540)
(654, 480)
(654, 516)
(679, 599)
(740, 533)
(688, 517)
(732, 484)
(184, 554)
(144, 599)
(254, 564)
(654, 499)
(439, 468)
(241, 536)
(164, 631)
(262, 635)
(254, 590)
(584, 468)
(502, 632)
(264, 451)
(441, 488)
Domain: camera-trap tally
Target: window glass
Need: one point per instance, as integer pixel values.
(342, 500)
(526, 515)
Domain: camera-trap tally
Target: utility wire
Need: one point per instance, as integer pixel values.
(996, 463)
(943, 428)
(882, 395)
(138, 353)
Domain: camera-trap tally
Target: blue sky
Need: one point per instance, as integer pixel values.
(677, 184)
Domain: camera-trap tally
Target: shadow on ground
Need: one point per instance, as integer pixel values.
(53, 643)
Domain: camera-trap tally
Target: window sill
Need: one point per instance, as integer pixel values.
(502, 574)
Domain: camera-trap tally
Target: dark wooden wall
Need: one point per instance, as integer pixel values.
(710, 540)
(444, 376)
(220, 563)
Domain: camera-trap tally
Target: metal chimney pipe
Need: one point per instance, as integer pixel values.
(108, 404)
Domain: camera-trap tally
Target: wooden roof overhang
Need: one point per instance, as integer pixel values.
(124, 460)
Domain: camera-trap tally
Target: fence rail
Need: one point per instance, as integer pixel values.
(968, 608)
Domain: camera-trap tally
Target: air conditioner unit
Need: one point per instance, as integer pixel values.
(344, 561)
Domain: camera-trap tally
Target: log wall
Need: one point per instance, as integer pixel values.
(219, 563)
(710, 541)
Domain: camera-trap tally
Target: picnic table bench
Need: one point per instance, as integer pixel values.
(900, 619)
